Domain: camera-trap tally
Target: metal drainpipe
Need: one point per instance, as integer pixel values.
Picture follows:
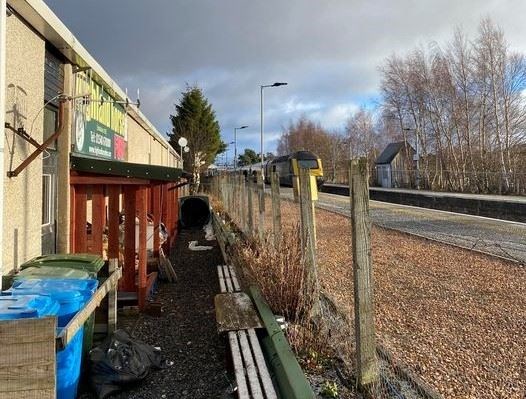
(3, 21)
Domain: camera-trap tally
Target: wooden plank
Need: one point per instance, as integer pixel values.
(130, 206)
(367, 368)
(72, 218)
(142, 209)
(243, 203)
(242, 389)
(113, 264)
(253, 380)
(235, 311)
(250, 221)
(222, 285)
(80, 318)
(106, 180)
(156, 210)
(98, 206)
(233, 276)
(268, 387)
(113, 221)
(27, 358)
(81, 198)
(228, 281)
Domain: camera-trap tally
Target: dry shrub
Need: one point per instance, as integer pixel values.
(280, 274)
(276, 270)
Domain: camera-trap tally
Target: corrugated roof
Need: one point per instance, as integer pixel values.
(390, 152)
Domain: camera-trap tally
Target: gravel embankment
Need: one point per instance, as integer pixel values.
(455, 317)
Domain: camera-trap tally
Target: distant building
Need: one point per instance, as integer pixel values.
(394, 166)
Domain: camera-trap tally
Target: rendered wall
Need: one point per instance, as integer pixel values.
(145, 148)
(24, 98)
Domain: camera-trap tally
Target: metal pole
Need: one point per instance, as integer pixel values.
(261, 132)
(182, 160)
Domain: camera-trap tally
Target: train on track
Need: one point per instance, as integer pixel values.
(288, 167)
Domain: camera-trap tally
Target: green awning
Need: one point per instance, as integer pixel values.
(124, 169)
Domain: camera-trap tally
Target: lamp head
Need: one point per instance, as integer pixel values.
(182, 142)
(279, 84)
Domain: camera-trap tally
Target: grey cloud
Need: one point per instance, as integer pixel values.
(328, 51)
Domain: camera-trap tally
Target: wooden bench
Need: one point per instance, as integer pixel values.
(252, 375)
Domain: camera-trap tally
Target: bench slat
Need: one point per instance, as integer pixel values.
(222, 285)
(268, 387)
(228, 279)
(253, 379)
(242, 389)
(237, 287)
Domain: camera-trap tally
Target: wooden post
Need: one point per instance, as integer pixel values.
(142, 210)
(130, 212)
(276, 207)
(156, 210)
(113, 251)
(261, 205)
(363, 275)
(79, 217)
(243, 202)
(250, 207)
(98, 205)
(308, 239)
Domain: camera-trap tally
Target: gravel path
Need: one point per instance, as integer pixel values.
(186, 332)
(501, 238)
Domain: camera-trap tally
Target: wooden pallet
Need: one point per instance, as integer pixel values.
(252, 375)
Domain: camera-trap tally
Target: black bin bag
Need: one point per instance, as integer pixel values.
(119, 361)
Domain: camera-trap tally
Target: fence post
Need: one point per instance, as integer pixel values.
(242, 202)
(308, 240)
(261, 203)
(276, 207)
(250, 206)
(363, 274)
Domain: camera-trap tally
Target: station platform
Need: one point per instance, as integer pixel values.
(503, 207)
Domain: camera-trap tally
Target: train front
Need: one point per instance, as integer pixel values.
(307, 159)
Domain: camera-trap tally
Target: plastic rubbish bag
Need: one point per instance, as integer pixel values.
(121, 360)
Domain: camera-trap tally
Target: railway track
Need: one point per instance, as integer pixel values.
(498, 238)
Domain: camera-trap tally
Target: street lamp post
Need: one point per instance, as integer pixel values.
(182, 144)
(226, 153)
(235, 144)
(261, 104)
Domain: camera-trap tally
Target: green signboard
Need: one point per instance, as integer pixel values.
(100, 122)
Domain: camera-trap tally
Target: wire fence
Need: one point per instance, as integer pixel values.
(449, 322)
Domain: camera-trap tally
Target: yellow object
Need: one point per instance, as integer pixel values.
(313, 188)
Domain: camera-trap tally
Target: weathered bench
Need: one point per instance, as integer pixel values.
(252, 375)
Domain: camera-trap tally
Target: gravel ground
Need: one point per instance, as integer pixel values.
(455, 317)
(186, 331)
(501, 238)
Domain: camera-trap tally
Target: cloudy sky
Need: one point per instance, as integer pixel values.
(327, 50)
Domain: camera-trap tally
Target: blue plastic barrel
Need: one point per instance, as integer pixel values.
(27, 306)
(68, 366)
(68, 359)
(71, 294)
